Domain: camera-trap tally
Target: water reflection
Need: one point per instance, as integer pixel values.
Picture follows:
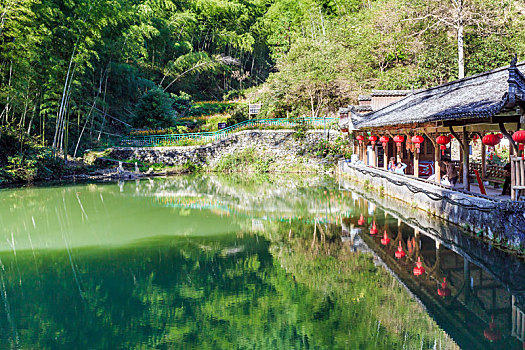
(472, 291)
(195, 262)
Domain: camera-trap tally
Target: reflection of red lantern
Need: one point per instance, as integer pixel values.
(417, 140)
(385, 240)
(442, 141)
(519, 138)
(384, 141)
(400, 253)
(491, 333)
(490, 140)
(372, 139)
(444, 291)
(398, 139)
(373, 229)
(361, 220)
(419, 269)
(360, 138)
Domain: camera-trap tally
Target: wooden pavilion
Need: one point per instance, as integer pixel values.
(467, 109)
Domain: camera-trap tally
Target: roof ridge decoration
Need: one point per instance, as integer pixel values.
(516, 93)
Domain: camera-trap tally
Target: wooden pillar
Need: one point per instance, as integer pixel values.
(365, 153)
(416, 163)
(385, 157)
(512, 178)
(466, 183)
(374, 155)
(483, 160)
(437, 168)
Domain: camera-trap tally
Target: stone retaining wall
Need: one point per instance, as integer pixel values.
(278, 143)
(501, 222)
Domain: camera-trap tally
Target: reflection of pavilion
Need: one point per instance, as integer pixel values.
(485, 290)
(518, 321)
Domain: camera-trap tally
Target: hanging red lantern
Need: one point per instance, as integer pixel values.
(384, 141)
(444, 291)
(519, 138)
(500, 136)
(372, 139)
(373, 229)
(450, 136)
(398, 139)
(475, 138)
(418, 140)
(361, 220)
(419, 269)
(400, 253)
(360, 138)
(442, 141)
(490, 140)
(491, 333)
(385, 240)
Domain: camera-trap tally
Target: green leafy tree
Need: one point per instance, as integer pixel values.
(154, 110)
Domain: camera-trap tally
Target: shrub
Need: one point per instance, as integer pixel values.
(154, 110)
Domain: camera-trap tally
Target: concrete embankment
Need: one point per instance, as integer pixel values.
(501, 222)
(283, 145)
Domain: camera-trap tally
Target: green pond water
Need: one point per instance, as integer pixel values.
(211, 262)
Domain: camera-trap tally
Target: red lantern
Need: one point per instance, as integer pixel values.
(400, 253)
(450, 136)
(417, 140)
(419, 269)
(384, 141)
(360, 138)
(519, 137)
(385, 240)
(361, 220)
(500, 136)
(398, 139)
(490, 140)
(442, 141)
(444, 291)
(475, 138)
(373, 230)
(491, 333)
(372, 139)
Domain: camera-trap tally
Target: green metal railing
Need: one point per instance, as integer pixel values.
(211, 136)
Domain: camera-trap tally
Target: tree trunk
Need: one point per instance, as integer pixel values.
(461, 58)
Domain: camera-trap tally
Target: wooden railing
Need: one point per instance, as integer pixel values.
(494, 173)
(517, 176)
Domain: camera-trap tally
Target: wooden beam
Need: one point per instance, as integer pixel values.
(508, 137)
(466, 158)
